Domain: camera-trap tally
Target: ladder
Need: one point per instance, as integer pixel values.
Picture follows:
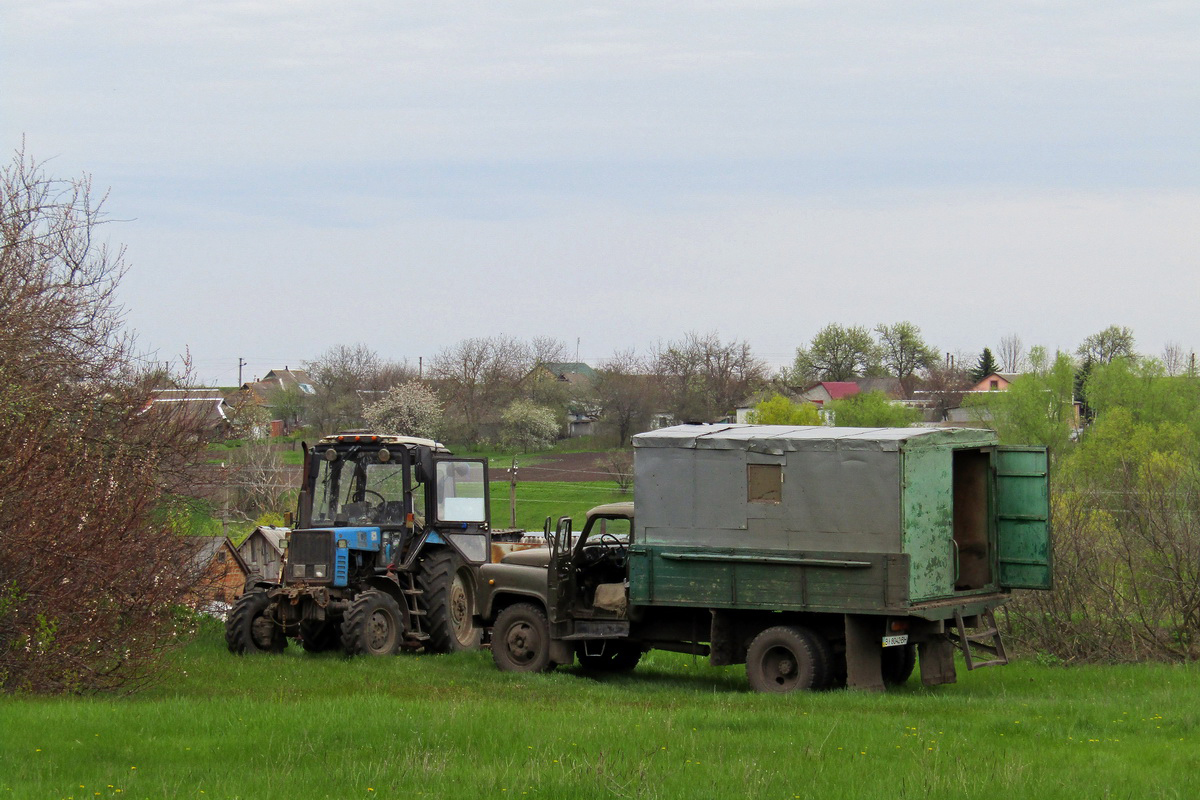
(415, 636)
(983, 636)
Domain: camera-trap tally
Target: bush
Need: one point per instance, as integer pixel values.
(90, 568)
(528, 426)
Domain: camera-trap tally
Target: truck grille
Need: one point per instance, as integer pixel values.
(310, 556)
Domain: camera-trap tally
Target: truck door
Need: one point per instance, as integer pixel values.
(1023, 517)
(562, 572)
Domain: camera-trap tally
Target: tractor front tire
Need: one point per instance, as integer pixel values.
(448, 600)
(521, 640)
(249, 627)
(373, 625)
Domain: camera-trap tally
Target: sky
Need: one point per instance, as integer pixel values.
(289, 176)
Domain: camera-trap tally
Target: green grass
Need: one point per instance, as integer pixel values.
(538, 500)
(297, 726)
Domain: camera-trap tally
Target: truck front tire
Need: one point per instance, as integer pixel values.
(521, 640)
(784, 659)
(249, 627)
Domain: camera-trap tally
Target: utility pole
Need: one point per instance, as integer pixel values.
(420, 367)
(512, 494)
(241, 363)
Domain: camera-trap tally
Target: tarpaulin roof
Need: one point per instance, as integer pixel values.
(788, 438)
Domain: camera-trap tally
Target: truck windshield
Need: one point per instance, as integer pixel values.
(358, 490)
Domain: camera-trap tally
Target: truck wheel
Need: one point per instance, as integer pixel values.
(521, 640)
(785, 659)
(373, 625)
(319, 637)
(616, 656)
(249, 627)
(897, 664)
(448, 602)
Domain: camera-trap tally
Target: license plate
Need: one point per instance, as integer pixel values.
(895, 641)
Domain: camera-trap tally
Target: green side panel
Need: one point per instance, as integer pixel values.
(927, 520)
(1023, 517)
(765, 579)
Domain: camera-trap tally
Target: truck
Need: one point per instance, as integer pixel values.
(391, 532)
(818, 557)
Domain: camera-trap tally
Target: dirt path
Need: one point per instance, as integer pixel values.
(566, 467)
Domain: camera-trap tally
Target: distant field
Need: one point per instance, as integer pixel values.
(536, 501)
(297, 726)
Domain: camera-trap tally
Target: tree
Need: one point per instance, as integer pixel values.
(1176, 360)
(410, 409)
(1111, 343)
(872, 410)
(1037, 408)
(529, 426)
(837, 353)
(985, 366)
(779, 410)
(477, 377)
(703, 379)
(1012, 354)
(902, 352)
(90, 568)
(625, 394)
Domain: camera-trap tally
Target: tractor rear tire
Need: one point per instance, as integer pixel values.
(373, 625)
(617, 656)
(521, 640)
(320, 637)
(448, 601)
(249, 627)
(784, 659)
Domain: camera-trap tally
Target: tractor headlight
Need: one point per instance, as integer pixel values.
(318, 570)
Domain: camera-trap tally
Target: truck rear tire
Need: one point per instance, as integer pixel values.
(448, 602)
(521, 640)
(897, 664)
(617, 656)
(249, 627)
(785, 659)
(373, 625)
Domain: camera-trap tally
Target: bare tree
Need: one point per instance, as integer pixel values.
(347, 377)
(1111, 343)
(626, 394)
(478, 377)
(1012, 354)
(703, 378)
(90, 568)
(1175, 359)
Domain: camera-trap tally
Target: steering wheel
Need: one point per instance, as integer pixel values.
(618, 551)
(382, 499)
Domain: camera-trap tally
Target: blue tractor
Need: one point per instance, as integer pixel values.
(391, 531)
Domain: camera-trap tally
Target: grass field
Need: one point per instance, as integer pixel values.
(297, 726)
(536, 501)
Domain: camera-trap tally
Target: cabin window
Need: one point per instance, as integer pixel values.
(764, 483)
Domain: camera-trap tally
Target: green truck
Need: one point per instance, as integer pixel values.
(818, 557)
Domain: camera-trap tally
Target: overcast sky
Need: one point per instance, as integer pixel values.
(302, 174)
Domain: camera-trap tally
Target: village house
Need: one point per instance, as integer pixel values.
(263, 551)
(219, 573)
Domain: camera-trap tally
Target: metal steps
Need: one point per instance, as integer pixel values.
(982, 636)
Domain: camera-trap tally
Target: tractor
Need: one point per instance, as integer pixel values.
(390, 533)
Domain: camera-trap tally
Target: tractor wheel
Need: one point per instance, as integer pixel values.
(249, 627)
(897, 664)
(785, 659)
(319, 637)
(521, 640)
(448, 602)
(372, 625)
(616, 656)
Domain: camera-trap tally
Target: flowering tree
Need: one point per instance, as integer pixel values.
(410, 409)
(529, 426)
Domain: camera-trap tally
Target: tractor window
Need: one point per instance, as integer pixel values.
(461, 492)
